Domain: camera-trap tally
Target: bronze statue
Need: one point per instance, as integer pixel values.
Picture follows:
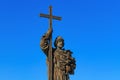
(60, 61)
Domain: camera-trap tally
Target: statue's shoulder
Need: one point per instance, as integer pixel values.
(68, 51)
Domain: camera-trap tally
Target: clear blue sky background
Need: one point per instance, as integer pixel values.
(91, 29)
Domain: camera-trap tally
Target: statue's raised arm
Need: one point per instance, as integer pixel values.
(44, 43)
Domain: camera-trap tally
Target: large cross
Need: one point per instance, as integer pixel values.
(50, 54)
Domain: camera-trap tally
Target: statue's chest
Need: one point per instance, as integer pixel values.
(59, 54)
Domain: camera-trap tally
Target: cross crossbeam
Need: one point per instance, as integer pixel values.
(48, 16)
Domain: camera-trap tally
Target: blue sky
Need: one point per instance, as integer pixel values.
(91, 29)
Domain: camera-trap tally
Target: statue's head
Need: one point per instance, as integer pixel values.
(59, 42)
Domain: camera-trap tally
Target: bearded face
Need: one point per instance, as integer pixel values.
(60, 44)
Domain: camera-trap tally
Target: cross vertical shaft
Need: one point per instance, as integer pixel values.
(50, 53)
(50, 9)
